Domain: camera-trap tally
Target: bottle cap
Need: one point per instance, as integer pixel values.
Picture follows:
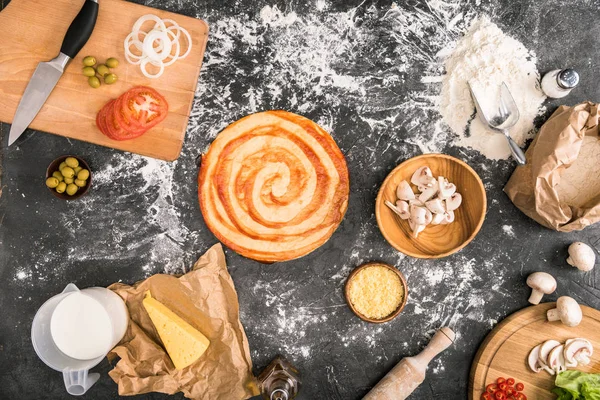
(567, 78)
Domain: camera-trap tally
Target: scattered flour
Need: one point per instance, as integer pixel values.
(508, 230)
(485, 57)
(580, 182)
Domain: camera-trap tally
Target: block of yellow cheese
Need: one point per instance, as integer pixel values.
(184, 343)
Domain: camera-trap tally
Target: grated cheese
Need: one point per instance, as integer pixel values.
(375, 292)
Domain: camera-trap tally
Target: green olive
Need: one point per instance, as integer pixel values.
(83, 174)
(58, 176)
(80, 182)
(112, 62)
(102, 70)
(72, 189)
(72, 162)
(62, 165)
(69, 180)
(61, 187)
(89, 61)
(77, 169)
(67, 172)
(88, 71)
(110, 79)
(94, 82)
(52, 182)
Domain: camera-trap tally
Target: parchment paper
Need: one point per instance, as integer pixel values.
(556, 147)
(206, 298)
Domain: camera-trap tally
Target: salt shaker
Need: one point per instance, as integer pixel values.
(559, 82)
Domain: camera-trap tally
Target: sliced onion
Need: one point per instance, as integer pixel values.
(156, 45)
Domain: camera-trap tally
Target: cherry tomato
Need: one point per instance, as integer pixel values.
(491, 388)
(503, 386)
(510, 381)
(500, 395)
(519, 386)
(510, 391)
(486, 396)
(500, 380)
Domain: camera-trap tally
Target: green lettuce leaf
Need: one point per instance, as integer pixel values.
(576, 385)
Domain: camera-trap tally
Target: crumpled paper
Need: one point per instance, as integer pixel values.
(556, 147)
(206, 298)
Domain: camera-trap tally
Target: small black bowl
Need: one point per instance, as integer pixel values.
(54, 167)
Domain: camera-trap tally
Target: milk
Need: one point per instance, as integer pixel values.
(81, 327)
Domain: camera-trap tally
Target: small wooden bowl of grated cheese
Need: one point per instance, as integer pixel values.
(376, 292)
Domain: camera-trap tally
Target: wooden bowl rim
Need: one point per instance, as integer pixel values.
(64, 196)
(393, 314)
(379, 204)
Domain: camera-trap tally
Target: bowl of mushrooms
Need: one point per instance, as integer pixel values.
(431, 206)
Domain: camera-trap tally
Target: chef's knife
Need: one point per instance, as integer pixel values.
(48, 73)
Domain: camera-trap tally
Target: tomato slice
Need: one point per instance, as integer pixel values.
(101, 119)
(141, 108)
(491, 388)
(519, 386)
(500, 380)
(510, 381)
(486, 396)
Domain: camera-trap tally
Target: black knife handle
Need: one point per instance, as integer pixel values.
(81, 29)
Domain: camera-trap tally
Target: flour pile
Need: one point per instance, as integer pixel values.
(486, 57)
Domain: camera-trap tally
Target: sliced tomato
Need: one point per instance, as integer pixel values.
(510, 381)
(101, 119)
(486, 396)
(519, 386)
(141, 108)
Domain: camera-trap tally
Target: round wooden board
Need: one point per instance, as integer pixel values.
(504, 351)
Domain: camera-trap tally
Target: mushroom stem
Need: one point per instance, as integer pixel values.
(553, 315)
(536, 296)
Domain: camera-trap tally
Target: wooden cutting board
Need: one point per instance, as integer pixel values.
(32, 31)
(504, 351)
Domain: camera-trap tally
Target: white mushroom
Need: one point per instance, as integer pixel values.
(438, 219)
(448, 217)
(416, 228)
(422, 177)
(545, 349)
(578, 351)
(541, 283)
(416, 202)
(418, 215)
(533, 361)
(433, 184)
(404, 191)
(453, 202)
(567, 311)
(436, 206)
(556, 359)
(428, 217)
(401, 208)
(581, 256)
(445, 188)
(428, 194)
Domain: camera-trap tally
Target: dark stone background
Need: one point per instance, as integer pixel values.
(35, 228)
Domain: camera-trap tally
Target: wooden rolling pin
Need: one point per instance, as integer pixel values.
(409, 373)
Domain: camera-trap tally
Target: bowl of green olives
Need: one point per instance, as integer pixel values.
(68, 177)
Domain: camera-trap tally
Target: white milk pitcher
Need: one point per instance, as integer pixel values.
(73, 331)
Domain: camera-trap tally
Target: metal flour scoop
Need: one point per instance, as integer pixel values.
(505, 118)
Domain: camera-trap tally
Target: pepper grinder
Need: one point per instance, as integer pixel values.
(559, 82)
(280, 380)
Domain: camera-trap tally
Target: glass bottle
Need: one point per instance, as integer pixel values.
(280, 380)
(559, 82)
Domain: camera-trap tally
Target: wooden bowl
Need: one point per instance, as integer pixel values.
(54, 167)
(392, 315)
(436, 241)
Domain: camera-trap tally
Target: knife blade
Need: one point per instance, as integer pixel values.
(47, 74)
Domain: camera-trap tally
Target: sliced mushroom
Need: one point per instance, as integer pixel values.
(453, 202)
(422, 177)
(401, 208)
(416, 202)
(416, 228)
(428, 217)
(433, 184)
(436, 206)
(533, 360)
(418, 215)
(545, 349)
(578, 351)
(541, 283)
(438, 219)
(404, 191)
(556, 359)
(448, 217)
(445, 188)
(567, 311)
(428, 194)
(581, 256)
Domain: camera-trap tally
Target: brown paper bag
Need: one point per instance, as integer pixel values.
(206, 298)
(556, 147)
